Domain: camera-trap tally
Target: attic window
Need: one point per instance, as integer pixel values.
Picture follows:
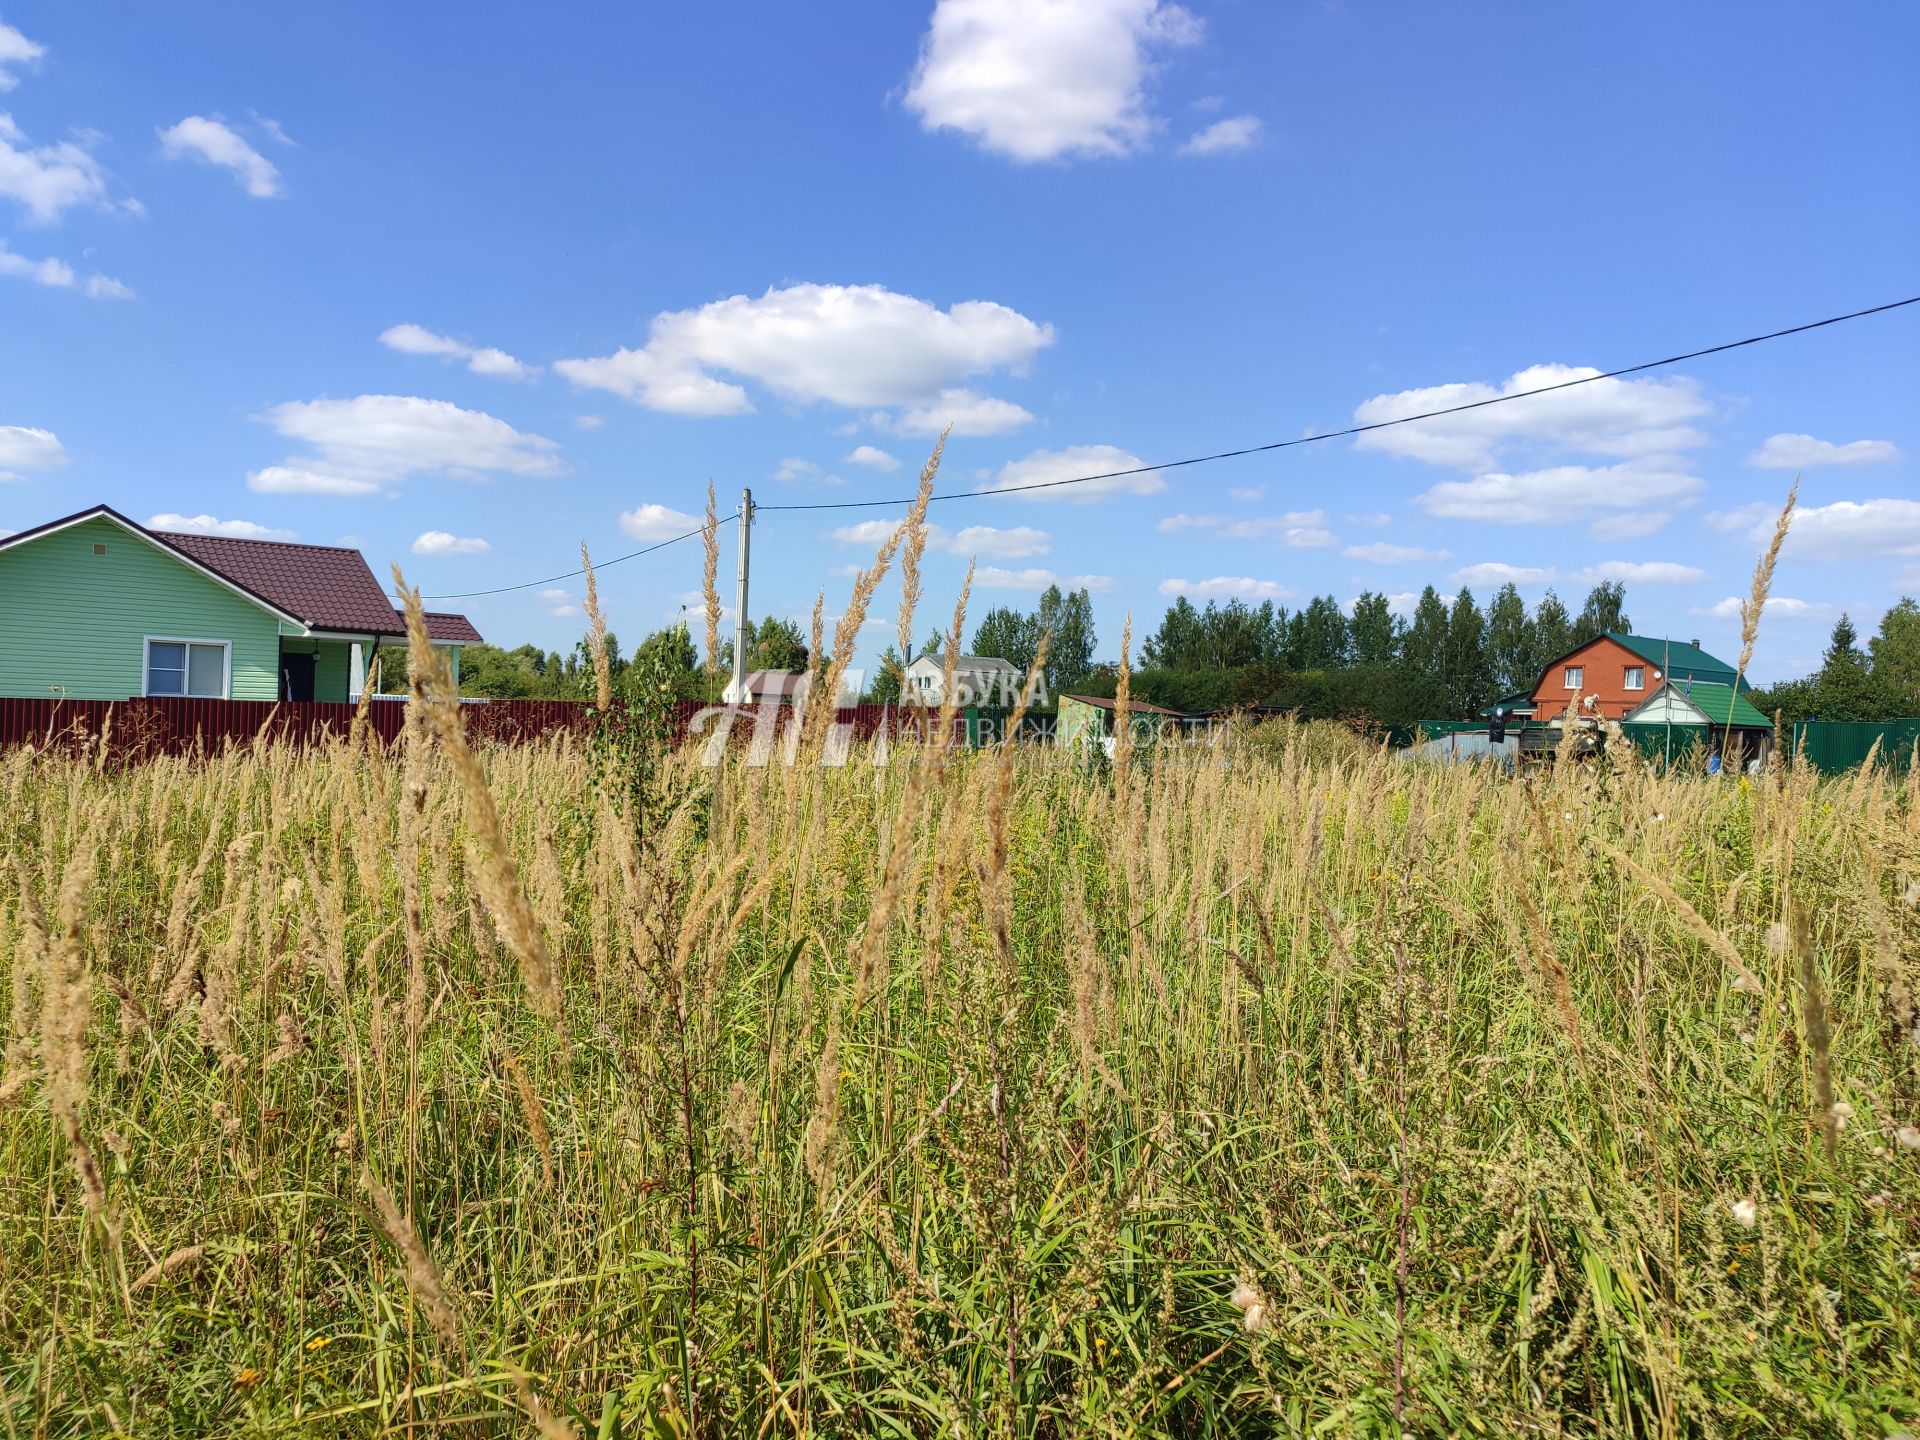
(99, 549)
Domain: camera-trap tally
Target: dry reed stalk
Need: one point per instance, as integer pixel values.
(1690, 917)
(949, 691)
(497, 873)
(869, 959)
(846, 635)
(915, 546)
(710, 585)
(171, 1264)
(29, 965)
(1756, 601)
(1122, 696)
(1559, 988)
(534, 1114)
(66, 1012)
(1813, 1019)
(422, 1275)
(550, 1425)
(597, 636)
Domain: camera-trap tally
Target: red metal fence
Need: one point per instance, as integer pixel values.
(159, 725)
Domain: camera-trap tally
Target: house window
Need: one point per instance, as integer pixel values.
(1636, 677)
(1576, 674)
(196, 668)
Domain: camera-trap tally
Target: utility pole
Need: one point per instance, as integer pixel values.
(736, 691)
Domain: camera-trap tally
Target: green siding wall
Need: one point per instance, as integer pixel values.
(331, 666)
(74, 619)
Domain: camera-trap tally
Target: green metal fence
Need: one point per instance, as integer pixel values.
(1834, 745)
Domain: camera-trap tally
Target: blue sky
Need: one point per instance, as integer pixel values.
(471, 286)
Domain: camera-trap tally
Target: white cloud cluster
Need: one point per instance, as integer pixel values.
(1247, 494)
(1804, 452)
(211, 140)
(49, 180)
(1621, 418)
(1296, 529)
(1227, 587)
(413, 339)
(1643, 572)
(24, 448)
(1016, 542)
(1236, 132)
(444, 542)
(1048, 467)
(372, 442)
(1642, 489)
(1783, 607)
(1844, 530)
(1040, 79)
(873, 458)
(1380, 552)
(855, 346)
(559, 603)
(213, 525)
(992, 577)
(16, 49)
(657, 522)
(59, 274)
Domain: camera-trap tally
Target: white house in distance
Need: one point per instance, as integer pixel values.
(980, 679)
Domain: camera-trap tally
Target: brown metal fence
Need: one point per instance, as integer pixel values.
(154, 725)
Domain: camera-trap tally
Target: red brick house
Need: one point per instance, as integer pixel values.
(1614, 674)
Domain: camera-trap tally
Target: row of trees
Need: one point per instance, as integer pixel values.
(1447, 659)
(1881, 682)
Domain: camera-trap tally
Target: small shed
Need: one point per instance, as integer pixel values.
(1704, 713)
(1088, 720)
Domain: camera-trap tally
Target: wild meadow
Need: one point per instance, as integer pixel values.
(1275, 1086)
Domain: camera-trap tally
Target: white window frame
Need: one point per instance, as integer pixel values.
(1635, 677)
(146, 665)
(1573, 676)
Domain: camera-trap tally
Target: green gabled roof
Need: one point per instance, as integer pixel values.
(1679, 659)
(1721, 706)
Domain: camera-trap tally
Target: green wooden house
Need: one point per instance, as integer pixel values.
(97, 607)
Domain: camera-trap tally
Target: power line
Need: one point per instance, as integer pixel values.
(1230, 454)
(572, 574)
(1356, 429)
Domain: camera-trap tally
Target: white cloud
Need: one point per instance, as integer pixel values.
(1247, 494)
(1629, 525)
(211, 525)
(849, 345)
(992, 577)
(555, 597)
(657, 522)
(1640, 572)
(1015, 543)
(1372, 519)
(1783, 607)
(560, 604)
(1039, 79)
(418, 340)
(1844, 530)
(873, 458)
(24, 448)
(1607, 417)
(1492, 572)
(1296, 529)
(1803, 452)
(967, 412)
(588, 422)
(299, 480)
(272, 129)
(1044, 466)
(441, 542)
(49, 180)
(15, 49)
(1222, 587)
(59, 274)
(873, 533)
(371, 442)
(1380, 552)
(793, 469)
(1562, 494)
(212, 140)
(1236, 132)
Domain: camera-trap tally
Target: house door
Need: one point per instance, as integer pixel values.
(296, 677)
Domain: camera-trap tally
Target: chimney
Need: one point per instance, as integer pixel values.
(1694, 643)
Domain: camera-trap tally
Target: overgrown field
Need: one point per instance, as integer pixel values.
(1253, 1091)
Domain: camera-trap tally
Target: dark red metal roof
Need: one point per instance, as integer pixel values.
(329, 588)
(445, 625)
